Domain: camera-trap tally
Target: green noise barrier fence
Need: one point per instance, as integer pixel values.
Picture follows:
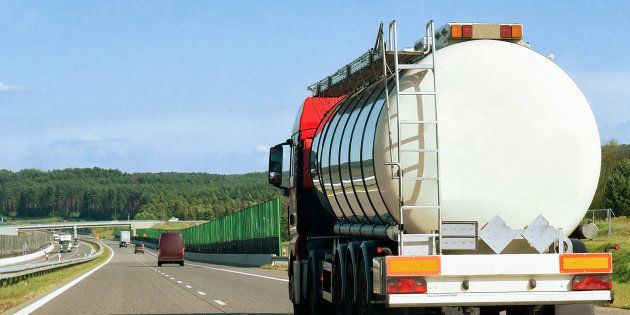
(253, 230)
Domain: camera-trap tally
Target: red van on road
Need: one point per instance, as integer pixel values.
(171, 249)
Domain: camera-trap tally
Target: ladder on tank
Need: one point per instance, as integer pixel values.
(433, 239)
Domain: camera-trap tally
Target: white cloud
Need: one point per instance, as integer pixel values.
(262, 148)
(4, 87)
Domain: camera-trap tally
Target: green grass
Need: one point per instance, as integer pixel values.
(175, 225)
(621, 259)
(31, 288)
(275, 267)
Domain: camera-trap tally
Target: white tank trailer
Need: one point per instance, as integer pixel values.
(444, 179)
(517, 140)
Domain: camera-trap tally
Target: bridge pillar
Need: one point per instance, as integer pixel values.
(74, 231)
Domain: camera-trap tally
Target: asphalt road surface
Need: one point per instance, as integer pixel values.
(133, 284)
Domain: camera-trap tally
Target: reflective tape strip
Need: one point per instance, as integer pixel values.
(586, 263)
(413, 265)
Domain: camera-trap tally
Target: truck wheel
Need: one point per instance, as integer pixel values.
(339, 306)
(159, 264)
(365, 307)
(181, 263)
(348, 299)
(578, 246)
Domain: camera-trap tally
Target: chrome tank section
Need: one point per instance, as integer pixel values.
(517, 139)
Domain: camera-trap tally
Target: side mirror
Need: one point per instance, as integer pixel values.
(276, 156)
(275, 165)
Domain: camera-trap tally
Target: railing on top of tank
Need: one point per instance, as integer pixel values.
(253, 230)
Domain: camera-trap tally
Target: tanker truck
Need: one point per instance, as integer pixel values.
(444, 178)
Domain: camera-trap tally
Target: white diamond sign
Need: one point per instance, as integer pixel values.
(540, 234)
(497, 234)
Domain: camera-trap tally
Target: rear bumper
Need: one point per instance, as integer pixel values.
(483, 280)
(171, 258)
(496, 298)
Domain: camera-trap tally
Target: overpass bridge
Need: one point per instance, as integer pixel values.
(132, 224)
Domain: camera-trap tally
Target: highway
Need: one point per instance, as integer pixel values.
(54, 255)
(132, 283)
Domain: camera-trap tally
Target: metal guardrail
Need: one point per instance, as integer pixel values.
(13, 274)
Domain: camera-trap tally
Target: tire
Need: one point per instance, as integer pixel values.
(348, 300)
(339, 306)
(159, 264)
(578, 246)
(181, 263)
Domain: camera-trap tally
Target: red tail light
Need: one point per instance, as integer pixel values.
(592, 282)
(467, 31)
(506, 31)
(182, 252)
(406, 285)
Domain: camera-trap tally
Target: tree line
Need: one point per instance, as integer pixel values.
(613, 189)
(96, 193)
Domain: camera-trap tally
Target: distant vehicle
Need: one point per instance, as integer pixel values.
(125, 238)
(75, 242)
(65, 243)
(173, 219)
(55, 237)
(139, 248)
(171, 249)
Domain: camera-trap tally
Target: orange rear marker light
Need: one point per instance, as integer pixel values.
(517, 31)
(456, 31)
(586, 263)
(413, 265)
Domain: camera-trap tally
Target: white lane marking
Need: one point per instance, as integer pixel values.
(219, 302)
(166, 275)
(200, 293)
(188, 286)
(240, 273)
(233, 271)
(172, 278)
(179, 282)
(39, 303)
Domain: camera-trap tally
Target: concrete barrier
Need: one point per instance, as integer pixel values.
(279, 261)
(19, 259)
(253, 260)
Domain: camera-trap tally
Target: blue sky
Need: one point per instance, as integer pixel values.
(208, 86)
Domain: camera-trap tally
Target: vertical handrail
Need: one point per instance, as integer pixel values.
(393, 35)
(386, 87)
(430, 33)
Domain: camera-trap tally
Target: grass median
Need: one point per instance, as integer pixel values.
(31, 288)
(621, 259)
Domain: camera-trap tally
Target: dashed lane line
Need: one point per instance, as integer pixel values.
(233, 271)
(220, 302)
(200, 293)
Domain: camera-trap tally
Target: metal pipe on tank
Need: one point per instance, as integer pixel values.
(370, 231)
